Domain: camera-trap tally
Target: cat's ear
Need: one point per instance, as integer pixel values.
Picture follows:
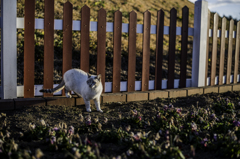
(99, 77)
(89, 75)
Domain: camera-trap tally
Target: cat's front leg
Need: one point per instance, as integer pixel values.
(87, 104)
(68, 95)
(97, 104)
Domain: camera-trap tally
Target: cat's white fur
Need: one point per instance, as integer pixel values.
(82, 84)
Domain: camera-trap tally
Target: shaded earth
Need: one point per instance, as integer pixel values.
(18, 121)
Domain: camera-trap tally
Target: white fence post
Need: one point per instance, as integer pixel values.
(8, 49)
(199, 43)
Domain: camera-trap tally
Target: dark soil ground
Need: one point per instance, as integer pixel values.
(19, 120)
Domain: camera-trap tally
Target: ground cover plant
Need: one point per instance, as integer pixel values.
(200, 126)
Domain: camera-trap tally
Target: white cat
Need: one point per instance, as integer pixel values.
(83, 84)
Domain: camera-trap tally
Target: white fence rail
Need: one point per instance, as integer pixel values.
(123, 86)
(58, 25)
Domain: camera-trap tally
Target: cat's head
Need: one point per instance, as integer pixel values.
(94, 81)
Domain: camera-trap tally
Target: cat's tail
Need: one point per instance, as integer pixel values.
(56, 89)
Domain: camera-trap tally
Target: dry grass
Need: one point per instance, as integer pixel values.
(125, 6)
(111, 6)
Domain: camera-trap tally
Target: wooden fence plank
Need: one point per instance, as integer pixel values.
(101, 45)
(207, 50)
(146, 50)
(222, 52)
(159, 50)
(117, 35)
(237, 53)
(67, 38)
(214, 50)
(29, 49)
(172, 43)
(184, 49)
(132, 51)
(48, 46)
(85, 23)
(229, 60)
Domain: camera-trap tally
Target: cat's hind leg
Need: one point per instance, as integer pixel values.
(87, 104)
(67, 90)
(97, 104)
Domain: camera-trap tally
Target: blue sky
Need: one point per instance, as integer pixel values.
(224, 7)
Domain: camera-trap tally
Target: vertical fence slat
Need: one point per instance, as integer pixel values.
(172, 43)
(85, 23)
(132, 51)
(237, 53)
(229, 60)
(207, 50)
(199, 44)
(101, 45)
(48, 46)
(146, 50)
(214, 50)
(159, 50)
(8, 47)
(183, 63)
(29, 48)
(222, 52)
(67, 38)
(117, 35)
